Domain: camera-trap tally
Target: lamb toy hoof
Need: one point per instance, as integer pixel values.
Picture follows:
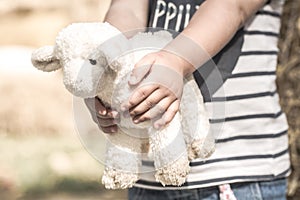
(173, 174)
(114, 179)
(200, 149)
(97, 60)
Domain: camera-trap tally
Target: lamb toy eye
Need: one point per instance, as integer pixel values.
(93, 62)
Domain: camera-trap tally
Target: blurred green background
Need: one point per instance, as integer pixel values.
(41, 154)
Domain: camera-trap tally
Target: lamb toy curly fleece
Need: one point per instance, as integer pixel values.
(96, 60)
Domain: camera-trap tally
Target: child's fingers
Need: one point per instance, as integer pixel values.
(105, 118)
(110, 114)
(90, 103)
(156, 112)
(96, 106)
(110, 129)
(168, 115)
(138, 96)
(100, 108)
(107, 122)
(155, 97)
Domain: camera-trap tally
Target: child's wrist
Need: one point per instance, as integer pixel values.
(182, 66)
(192, 55)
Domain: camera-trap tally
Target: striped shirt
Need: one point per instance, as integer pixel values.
(252, 143)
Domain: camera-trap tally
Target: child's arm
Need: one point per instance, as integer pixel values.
(209, 30)
(128, 15)
(212, 27)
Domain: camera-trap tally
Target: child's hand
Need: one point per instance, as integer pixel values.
(106, 118)
(160, 79)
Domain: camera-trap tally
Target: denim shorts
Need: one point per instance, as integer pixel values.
(263, 190)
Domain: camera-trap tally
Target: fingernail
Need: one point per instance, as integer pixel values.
(136, 121)
(114, 114)
(123, 108)
(102, 112)
(114, 130)
(158, 125)
(132, 79)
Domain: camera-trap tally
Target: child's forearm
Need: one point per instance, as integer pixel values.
(128, 15)
(211, 28)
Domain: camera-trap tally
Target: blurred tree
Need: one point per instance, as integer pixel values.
(289, 87)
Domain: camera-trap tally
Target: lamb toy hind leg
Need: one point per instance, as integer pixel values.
(198, 135)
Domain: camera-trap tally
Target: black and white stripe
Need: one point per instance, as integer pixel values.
(253, 137)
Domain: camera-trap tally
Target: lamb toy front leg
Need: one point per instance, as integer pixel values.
(169, 153)
(167, 145)
(121, 167)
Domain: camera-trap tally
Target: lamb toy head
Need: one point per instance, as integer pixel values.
(96, 60)
(76, 53)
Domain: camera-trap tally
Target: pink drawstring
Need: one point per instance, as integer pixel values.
(226, 193)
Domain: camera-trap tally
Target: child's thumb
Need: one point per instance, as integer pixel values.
(140, 71)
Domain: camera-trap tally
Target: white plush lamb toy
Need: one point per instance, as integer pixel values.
(96, 60)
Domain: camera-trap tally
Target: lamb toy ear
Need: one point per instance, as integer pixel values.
(45, 60)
